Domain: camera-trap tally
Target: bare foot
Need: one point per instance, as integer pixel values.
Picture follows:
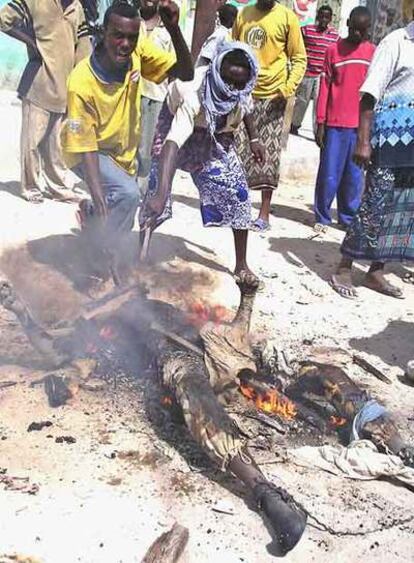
(377, 282)
(341, 282)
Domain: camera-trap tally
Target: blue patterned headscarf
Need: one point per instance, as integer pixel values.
(218, 98)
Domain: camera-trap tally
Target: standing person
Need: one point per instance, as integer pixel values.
(196, 133)
(226, 16)
(383, 228)
(345, 68)
(56, 36)
(153, 95)
(100, 138)
(317, 39)
(273, 32)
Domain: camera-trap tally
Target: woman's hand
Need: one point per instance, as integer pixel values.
(258, 150)
(362, 154)
(320, 135)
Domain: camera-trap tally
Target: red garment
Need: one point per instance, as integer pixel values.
(345, 68)
(316, 43)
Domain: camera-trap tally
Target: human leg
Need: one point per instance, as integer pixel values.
(240, 245)
(314, 98)
(331, 167)
(108, 241)
(351, 184)
(54, 170)
(224, 199)
(303, 97)
(35, 121)
(268, 121)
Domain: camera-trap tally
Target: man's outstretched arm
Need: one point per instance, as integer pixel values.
(170, 14)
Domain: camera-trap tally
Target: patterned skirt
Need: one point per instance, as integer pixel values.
(216, 171)
(383, 228)
(268, 121)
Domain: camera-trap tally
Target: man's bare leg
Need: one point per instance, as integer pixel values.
(341, 281)
(376, 281)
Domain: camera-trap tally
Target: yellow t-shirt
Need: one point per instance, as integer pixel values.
(105, 116)
(276, 39)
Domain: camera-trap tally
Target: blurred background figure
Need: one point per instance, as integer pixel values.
(57, 37)
(345, 68)
(273, 32)
(317, 39)
(153, 95)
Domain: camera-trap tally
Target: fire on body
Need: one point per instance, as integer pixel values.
(130, 107)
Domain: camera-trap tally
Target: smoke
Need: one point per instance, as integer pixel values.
(49, 295)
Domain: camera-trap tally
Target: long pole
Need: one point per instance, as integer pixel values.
(204, 22)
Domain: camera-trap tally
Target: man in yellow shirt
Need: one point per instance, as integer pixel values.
(273, 32)
(101, 135)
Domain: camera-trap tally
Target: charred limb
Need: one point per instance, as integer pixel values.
(334, 385)
(40, 339)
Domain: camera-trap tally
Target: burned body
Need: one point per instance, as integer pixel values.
(187, 375)
(202, 369)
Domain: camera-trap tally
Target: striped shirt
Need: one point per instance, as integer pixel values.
(316, 43)
(344, 71)
(61, 36)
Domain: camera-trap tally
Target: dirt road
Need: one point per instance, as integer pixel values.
(106, 497)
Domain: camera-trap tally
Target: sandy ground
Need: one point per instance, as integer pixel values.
(96, 507)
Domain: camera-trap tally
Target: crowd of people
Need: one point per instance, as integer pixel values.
(123, 109)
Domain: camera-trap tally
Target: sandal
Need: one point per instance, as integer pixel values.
(33, 195)
(384, 287)
(346, 291)
(320, 228)
(408, 278)
(260, 226)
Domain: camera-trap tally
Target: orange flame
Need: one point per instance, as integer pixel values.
(167, 401)
(201, 313)
(337, 421)
(270, 401)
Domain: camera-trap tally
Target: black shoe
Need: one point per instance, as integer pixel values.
(294, 130)
(286, 517)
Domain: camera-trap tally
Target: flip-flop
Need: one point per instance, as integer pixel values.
(320, 228)
(260, 226)
(343, 290)
(33, 196)
(408, 277)
(385, 289)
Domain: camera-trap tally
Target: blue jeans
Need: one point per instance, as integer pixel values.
(121, 195)
(338, 176)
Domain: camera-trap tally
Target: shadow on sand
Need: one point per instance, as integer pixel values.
(67, 254)
(397, 335)
(12, 188)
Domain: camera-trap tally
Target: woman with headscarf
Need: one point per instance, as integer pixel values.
(383, 229)
(196, 134)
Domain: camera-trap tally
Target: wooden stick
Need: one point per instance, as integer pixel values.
(267, 421)
(367, 366)
(145, 244)
(178, 339)
(169, 547)
(5, 384)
